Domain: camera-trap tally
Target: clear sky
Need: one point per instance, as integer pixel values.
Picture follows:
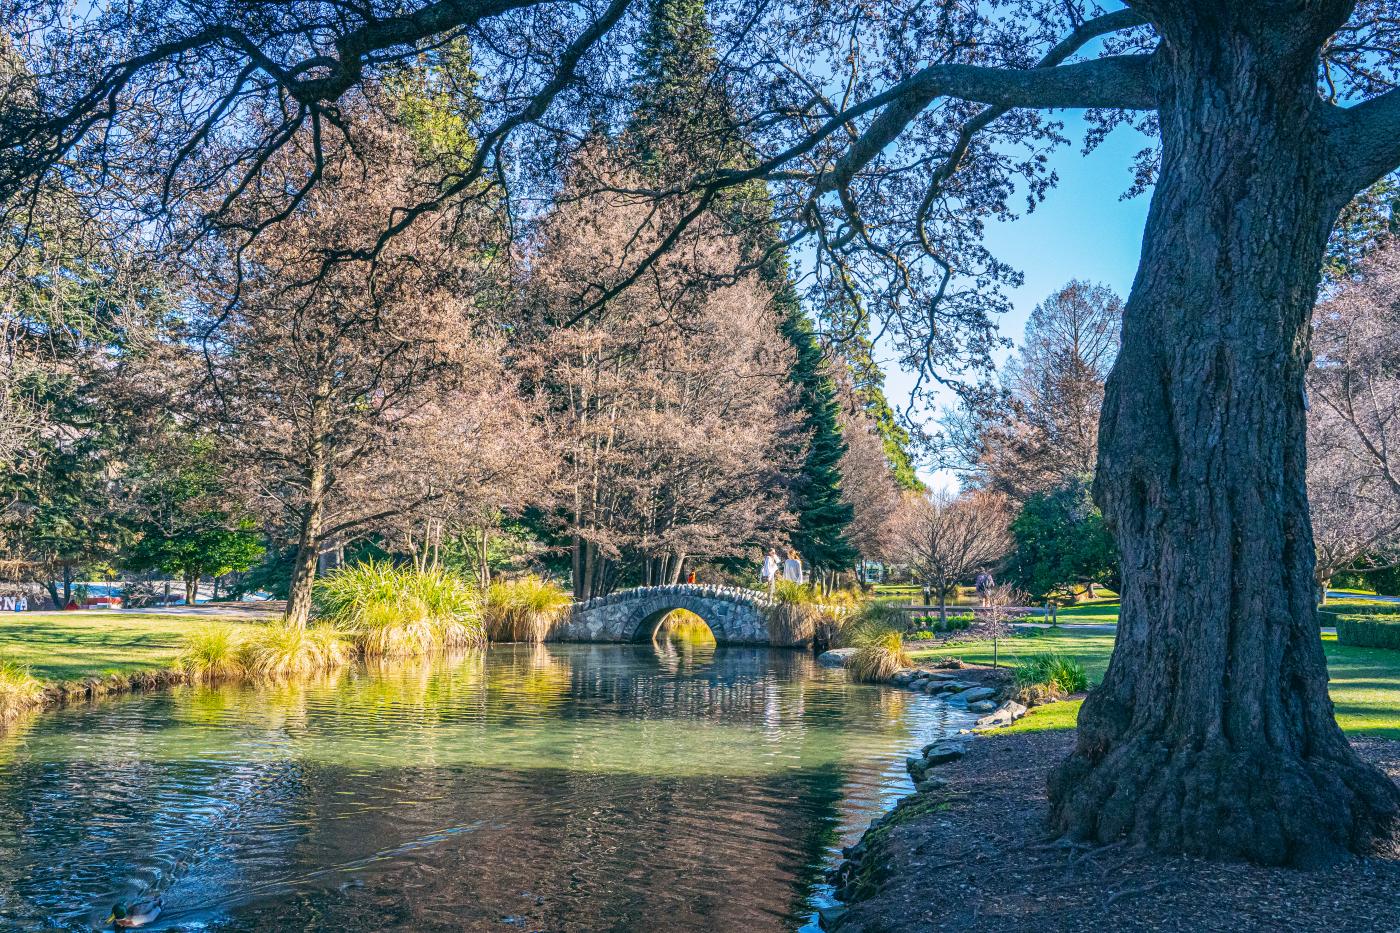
(1081, 231)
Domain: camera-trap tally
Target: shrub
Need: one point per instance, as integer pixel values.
(1051, 672)
(395, 611)
(523, 610)
(210, 653)
(19, 689)
(1369, 633)
(956, 623)
(276, 650)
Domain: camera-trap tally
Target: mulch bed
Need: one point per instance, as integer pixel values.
(981, 864)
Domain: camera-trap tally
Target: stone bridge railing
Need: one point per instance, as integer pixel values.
(736, 616)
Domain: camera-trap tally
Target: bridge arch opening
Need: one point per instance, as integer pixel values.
(676, 624)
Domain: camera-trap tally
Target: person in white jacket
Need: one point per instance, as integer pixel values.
(771, 565)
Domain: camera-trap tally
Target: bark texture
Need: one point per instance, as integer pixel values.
(1212, 732)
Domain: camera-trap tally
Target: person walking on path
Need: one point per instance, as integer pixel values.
(769, 571)
(984, 584)
(792, 568)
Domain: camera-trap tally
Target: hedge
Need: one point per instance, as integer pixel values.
(1369, 633)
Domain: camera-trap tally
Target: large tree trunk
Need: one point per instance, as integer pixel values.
(1212, 732)
(191, 588)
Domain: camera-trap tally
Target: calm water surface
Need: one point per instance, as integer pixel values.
(553, 788)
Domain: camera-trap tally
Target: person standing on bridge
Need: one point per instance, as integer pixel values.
(768, 573)
(792, 568)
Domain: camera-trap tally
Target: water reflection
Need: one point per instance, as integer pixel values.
(669, 786)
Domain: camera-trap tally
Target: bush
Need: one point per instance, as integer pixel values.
(523, 610)
(803, 616)
(211, 653)
(1051, 673)
(958, 623)
(19, 689)
(1369, 633)
(276, 650)
(395, 611)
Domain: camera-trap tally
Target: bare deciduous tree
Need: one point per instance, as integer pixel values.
(947, 538)
(322, 384)
(1354, 420)
(672, 407)
(1041, 429)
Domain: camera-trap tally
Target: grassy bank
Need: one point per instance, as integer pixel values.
(59, 646)
(1365, 682)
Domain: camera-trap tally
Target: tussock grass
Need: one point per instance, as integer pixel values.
(210, 652)
(524, 609)
(879, 659)
(876, 632)
(399, 611)
(802, 615)
(279, 650)
(19, 689)
(1050, 674)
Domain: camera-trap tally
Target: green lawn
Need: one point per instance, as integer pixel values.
(1365, 682)
(1097, 612)
(70, 645)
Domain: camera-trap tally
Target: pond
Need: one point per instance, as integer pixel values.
(558, 787)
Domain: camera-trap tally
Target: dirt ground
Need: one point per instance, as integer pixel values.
(980, 863)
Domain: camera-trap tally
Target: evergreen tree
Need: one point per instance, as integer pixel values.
(822, 512)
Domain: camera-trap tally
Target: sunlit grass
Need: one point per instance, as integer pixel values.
(524, 609)
(20, 690)
(279, 650)
(391, 610)
(73, 645)
(211, 652)
(1364, 682)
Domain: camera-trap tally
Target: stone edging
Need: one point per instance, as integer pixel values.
(864, 865)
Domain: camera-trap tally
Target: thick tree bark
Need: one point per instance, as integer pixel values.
(191, 589)
(1212, 732)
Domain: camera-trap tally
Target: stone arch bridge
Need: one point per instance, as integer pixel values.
(736, 616)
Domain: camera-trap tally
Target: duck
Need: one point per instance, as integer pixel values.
(128, 916)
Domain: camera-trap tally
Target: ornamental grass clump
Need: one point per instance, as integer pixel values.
(1050, 675)
(278, 650)
(211, 653)
(399, 611)
(876, 634)
(524, 609)
(802, 615)
(879, 658)
(19, 689)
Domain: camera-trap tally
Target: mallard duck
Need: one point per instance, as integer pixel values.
(127, 916)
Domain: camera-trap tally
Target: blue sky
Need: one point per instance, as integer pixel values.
(1082, 231)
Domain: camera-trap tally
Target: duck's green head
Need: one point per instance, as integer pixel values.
(119, 912)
